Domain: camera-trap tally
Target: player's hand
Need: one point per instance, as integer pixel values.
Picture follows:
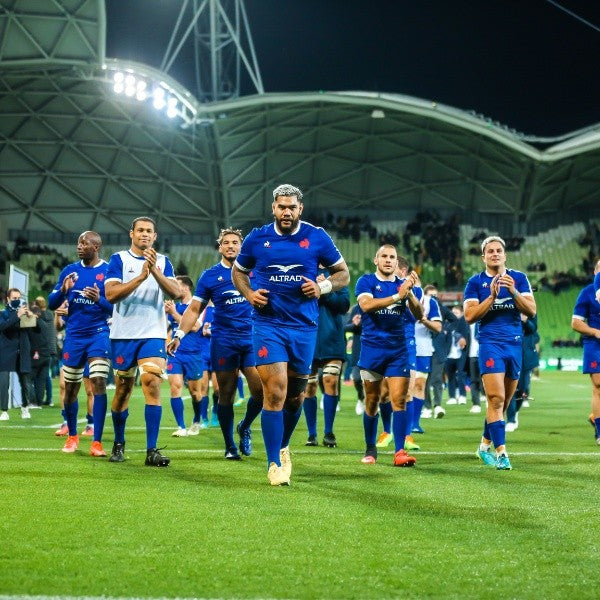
(62, 310)
(145, 270)
(356, 319)
(310, 288)
(170, 307)
(68, 282)
(172, 346)
(151, 257)
(508, 282)
(494, 287)
(21, 311)
(259, 298)
(93, 293)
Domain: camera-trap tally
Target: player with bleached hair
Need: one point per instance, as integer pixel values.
(496, 298)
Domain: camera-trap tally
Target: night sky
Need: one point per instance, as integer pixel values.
(524, 63)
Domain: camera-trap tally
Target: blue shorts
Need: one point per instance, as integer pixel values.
(126, 353)
(387, 362)
(227, 354)
(501, 358)
(424, 364)
(591, 356)
(296, 347)
(77, 350)
(187, 364)
(411, 346)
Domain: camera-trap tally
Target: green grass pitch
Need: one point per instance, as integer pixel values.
(73, 525)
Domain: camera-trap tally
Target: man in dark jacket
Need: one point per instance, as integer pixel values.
(354, 326)
(48, 316)
(42, 338)
(435, 381)
(330, 353)
(15, 349)
(531, 360)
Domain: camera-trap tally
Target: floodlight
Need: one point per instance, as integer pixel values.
(172, 107)
(119, 77)
(119, 88)
(377, 114)
(159, 98)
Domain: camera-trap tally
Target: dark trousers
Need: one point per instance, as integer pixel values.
(4, 382)
(455, 370)
(435, 381)
(475, 376)
(40, 370)
(521, 393)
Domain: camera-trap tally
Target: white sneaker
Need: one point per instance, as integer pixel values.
(511, 427)
(438, 412)
(25, 413)
(475, 409)
(4, 416)
(360, 407)
(286, 462)
(194, 429)
(525, 404)
(337, 408)
(321, 403)
(426, 413)
(462, 400)
(277, 476)
(451, 401)
(110, 386)
(180, 432)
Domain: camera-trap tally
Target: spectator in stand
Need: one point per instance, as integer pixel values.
(48, 316)
(42, 338)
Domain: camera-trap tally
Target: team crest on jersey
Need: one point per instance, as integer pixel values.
(489, 363)
(378, 288)
(169, 367)
(220, 278)
(66, 356)
(304, 243)
(263, 352)
(100, 277)
(267, 244)
(120, 360)
(484, 284)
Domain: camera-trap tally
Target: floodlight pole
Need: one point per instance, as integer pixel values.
(223, 48)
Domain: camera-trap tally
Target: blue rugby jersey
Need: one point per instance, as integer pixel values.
(502, 323)
(85, 316)
(279, 262)
(192, 342)
(385, 327)
(588, 308)
(232, 312)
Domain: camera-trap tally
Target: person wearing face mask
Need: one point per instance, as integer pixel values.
(15, 350)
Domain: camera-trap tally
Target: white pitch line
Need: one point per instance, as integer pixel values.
(25, 597)
(337, 452)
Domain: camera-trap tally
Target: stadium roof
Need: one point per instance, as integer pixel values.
(76, 155)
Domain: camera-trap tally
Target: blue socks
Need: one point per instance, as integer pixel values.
(119, 420)
(253, 408)
(290, 420)
(177, 406)
(152, 414)
(370, 425)
(310, 413)
(386, 410)
(597, 422)
(225, 414)
(271, 422)
(399, 425)
(417, 408)
(497, 433)
(486, 431)
(99, 415)
(240, 387)
(329, 407)
(89, 418)
(410, 407)
(71, 411)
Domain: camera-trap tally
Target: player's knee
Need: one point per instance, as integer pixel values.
(73, 374)
(296, 387)
(150, 368)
